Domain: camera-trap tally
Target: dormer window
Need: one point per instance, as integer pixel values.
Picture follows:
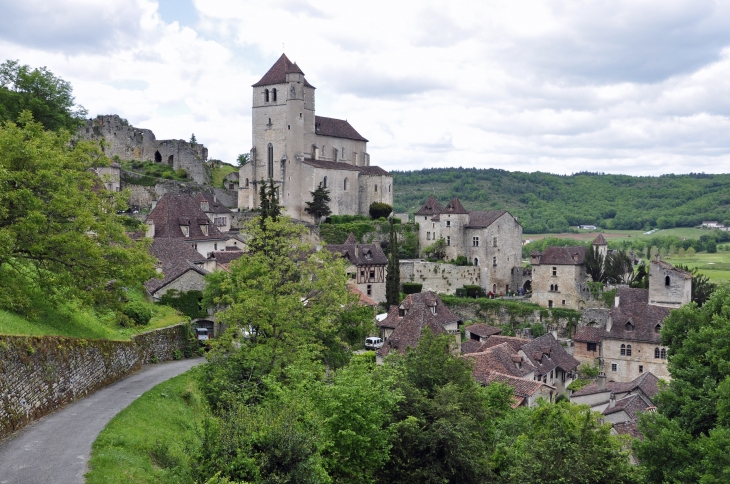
(204, 229)
(658, 328)
(204, 206)
(185, 230)
(401, 311)
(368, 256)
(629, 327)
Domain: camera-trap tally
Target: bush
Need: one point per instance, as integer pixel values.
(188, 303)
(461, 260)
(379, 209)
(137, 312)
(473, 291)
(412, 287)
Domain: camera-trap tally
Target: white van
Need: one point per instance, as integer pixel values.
(373, 343)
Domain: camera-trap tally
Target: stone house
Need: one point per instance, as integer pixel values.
(553, 365)
(559, 277)
(526, 392)
(368, 266)
(404, 324)
(475, 336)
(230, 181)
(111, 176)
(603, 395)
(181, 266)
(491, 240)
(219, 214)
(300, 151)
(181, 217)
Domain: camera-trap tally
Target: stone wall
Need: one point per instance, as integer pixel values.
(39, 374)
(439, 278)
(142, 195)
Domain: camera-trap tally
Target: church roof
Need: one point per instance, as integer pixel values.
(337, 128)
(431, 207)
(277, 73)
(331, 165)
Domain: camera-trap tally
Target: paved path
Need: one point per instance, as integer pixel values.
(56, 448)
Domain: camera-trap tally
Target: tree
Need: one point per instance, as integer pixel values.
(619, 268)
(379, 209)
(437, 250)
(193, 140)
(595, 264)
(691, 252)
(702, 288)
(392, 281)
(269, 201)
(49, 98)
(319, 206)
(242, 159)
(59, 233)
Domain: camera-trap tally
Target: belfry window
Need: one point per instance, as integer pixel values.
(266, 95)
(273, 94)
(271, 160)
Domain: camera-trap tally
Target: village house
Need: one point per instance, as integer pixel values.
(612, 398)
(475, 336)
(405, 323)
(182, 268)
(491, 241)
(630, 344)
(216, 212)
(110, 176)
(368, 266)
(230, 181)
(300, 151)
(559, 277)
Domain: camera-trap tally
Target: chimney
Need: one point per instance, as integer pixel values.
(612, 401)
(154, 204)
(602, 381)
(616, 300)
(215, 199)
(357, 251)
(150, 229)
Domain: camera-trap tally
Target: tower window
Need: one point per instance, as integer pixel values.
(448, 240)
(271, 160)
(623, 350)
(664, 353)
(666, 281)
(273, 94)
(376, 188)
(494, 242)
(494, 264)
(266, 98)
(324, 182)
(347, 184)
(476, 261)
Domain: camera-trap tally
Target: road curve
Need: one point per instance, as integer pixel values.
(56, 448)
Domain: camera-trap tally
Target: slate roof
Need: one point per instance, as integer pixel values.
(418, 316)
(331, 165)
(277, 73)
(563, 256)
(628, 428)
(431, 207)
(454, 206)
(600, 240)
(501, 359)
(589, 334)
(667, 265)
(634, 307)
(522, 387)
(373, 170)
(632, 405)
(172, 211)
(546, 353)
(483, 330)
(515, 343)
(338, 128)
(481, 219)
(214, 205)
(359, 257)
(471, 346)
(176, 258)
(648, 383)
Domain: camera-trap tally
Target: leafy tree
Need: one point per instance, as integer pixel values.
(437, 250)
(379, 209)
(193, 139)
(392, 281)
(691, 252)
(319, 206)
(681, 252)
(59, 232)
(47, 97)
(619, 268)
(269, 200)
(595, 264)
(243, 159)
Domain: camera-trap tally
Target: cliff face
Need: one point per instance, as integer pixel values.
(130, 143)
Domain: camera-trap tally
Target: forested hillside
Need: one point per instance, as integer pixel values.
(551, 203)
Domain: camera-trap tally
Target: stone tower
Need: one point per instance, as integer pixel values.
(602, 246)
(668, 286)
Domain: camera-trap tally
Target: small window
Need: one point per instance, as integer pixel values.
(628, 350)
(556, 288)
(266, 99)
(656, 352)
(246, 182)
(215, 246)
(563, 302)
(623, 350)
(555, 271)
(658, 328)
(629, 327)
(664, 354)
(641, 368)
(372, 274)
(324, 182)
(667, 281)
(273, 94)
(494, 261)
(448, 223)
(614, 367)
(550, 304)
(428, 235)
(370, 290)
(494, 242)
(347, 184)
(448, 240)
(591, 347)
(476, 261)
(376, 188)
(475, 241)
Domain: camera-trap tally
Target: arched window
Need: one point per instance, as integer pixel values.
(266, 95)
(623, 350)
(476, 261)
(656, 353)
(324, 182)
(376, 188)
(628, 350)
(273, 94)
(158, 157)
(664, 353)
(666, 281)
(347, 184)
(556, 288)
(246, 182)
(552, 286)
(388, 187)
(271, 160)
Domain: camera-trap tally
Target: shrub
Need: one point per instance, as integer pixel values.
(379, 209)
(137, 312)
(412, 287)
(473, 291)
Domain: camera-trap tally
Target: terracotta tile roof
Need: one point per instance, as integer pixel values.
(277, 73)
(431, 207)
(502, 359)
(522, 387)
(481, 219)
(632, 405)
(628, 428)
(634, 308)
(418, 316)
(600, 240)
(363, 298)
(338, 128)
(546, 353)
(667, 265)
(455, 207)
(483, 330)
(471, 346)
(589, 334)
(214, 205)
(648, 383)
(360, 254)
(563, 255)
(515, 343)
(176, 258)
(173, 211)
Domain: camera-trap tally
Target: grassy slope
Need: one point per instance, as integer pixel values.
(145, 440)
(219, 172)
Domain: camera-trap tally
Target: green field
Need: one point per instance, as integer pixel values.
(619, 235)
(715, 266)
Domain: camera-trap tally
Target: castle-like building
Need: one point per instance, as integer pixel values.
(299, 150)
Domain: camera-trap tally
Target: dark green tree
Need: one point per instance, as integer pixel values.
(49, 98)
(379, 209)
(595, 264)
(392, 281)
(193, 139)
(319, 206)
(269, 201)
(702, 288)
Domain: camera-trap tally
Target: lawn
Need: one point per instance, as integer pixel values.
(618, 235)
(149, 441)
(220, 172)
(715, 266)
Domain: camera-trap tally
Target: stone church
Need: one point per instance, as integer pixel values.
(299, 150)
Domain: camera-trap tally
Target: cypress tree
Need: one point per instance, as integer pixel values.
(319, 206)
(392, 281)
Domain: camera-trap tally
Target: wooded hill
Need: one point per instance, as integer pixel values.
(551, 203)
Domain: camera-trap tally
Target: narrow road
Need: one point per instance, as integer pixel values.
(56, 448)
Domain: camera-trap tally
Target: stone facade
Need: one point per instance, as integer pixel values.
(559, 277)
(300, 151)
(668, 286)
(491, 241)
(623, 368)
(38, 375)
(111, 176)
(439, 278)
(130, 143)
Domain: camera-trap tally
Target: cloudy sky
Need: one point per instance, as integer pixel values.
(618, 86)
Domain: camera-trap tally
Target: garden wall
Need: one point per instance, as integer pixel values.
(40, 374)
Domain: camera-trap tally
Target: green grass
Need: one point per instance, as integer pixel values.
(75, 322)
(220, 172)
(715, 266)
(148, 441)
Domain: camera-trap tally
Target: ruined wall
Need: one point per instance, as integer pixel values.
(39, 374)
(130, 143)
(439, 278)
(142, 195)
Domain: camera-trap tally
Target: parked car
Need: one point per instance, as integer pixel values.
(202, 335)
(373, 343)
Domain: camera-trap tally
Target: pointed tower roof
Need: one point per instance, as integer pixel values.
(431, 207)
(600, 240)
(277, 73)
(455, 206)
(351, 240)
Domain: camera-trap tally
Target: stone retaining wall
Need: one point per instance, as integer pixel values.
(142, 195)
(39, 374)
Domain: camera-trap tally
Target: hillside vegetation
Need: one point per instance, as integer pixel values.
(552, 203)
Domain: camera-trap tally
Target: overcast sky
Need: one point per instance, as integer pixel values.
(636, 87)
